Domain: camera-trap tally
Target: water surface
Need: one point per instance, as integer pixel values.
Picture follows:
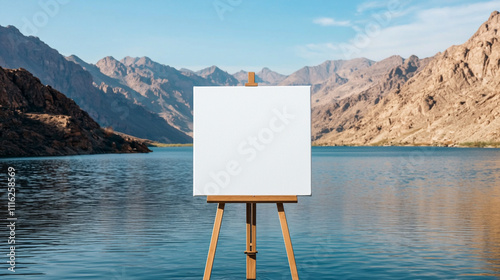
(375, 213)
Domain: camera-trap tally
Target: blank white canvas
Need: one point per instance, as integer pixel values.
(252, 141)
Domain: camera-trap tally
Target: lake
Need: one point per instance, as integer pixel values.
(375, 213)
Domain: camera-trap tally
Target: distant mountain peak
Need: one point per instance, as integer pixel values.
(493, 15)
(144, 60)
(75, 58)
(128, 60)
(490, 27)
(269, 77)
(109, 58)
(209, 70)
(12, 28)
(111, 67)
(241, 72)
(185, 70)
(311, 75)
(411, 60)
(217, 76)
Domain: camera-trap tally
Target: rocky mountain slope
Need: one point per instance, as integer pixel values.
(454, 99)
(337, 87)
(159, 88)
(19, 51)
(107, 84)
(37, 120)
(337, 114)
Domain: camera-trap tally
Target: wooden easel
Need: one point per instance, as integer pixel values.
(251, 250)
(251, 219)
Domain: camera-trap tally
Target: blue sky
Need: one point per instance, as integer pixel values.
(243, 34)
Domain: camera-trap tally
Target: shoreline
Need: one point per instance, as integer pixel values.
(482, 145)
(490, 145)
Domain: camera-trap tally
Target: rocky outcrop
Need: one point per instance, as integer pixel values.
(37, 120)
(107, 108)
(455, 99)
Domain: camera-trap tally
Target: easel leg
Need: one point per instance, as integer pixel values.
(288, 242)
(213, 242)
(251, 251)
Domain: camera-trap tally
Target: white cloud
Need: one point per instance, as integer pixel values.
(370, 5)
(430, 31)
(325, 21)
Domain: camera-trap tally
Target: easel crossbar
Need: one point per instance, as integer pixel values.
(252, 199)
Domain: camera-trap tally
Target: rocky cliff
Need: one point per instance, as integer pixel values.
(37, 120)
(455, 99)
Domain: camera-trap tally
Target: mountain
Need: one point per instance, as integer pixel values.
(455, 99)
(269, 77)
(30, 53)
(186, 71)
(217, 77)
(242, 77)
(130, 78)
(37, 120)
(337, 87)
(107, 84)
(159, 88)
(366, 90)
(311, 75)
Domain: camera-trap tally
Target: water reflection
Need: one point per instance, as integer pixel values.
(438, 211)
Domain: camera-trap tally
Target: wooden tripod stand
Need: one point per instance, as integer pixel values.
(251, 219)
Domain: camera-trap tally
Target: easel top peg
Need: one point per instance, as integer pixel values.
(251, 80)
